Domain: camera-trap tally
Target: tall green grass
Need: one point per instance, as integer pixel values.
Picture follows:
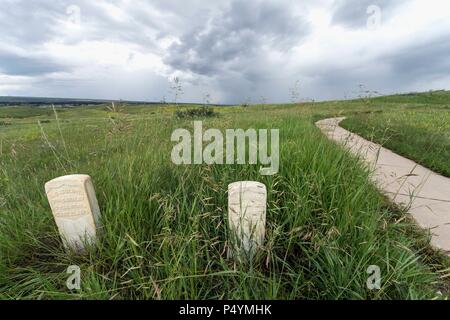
(421, 134)
(165, 226)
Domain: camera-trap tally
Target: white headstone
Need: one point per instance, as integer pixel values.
(75, 208)
(247, 205)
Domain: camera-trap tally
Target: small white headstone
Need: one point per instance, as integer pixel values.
(247, 205)
(75, 208)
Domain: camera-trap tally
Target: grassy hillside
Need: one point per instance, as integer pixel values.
(165, 226)
(420, 131)
(440, 97)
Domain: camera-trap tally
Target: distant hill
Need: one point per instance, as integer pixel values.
(437, 96)
(432, 97)
(42, 101)
(39, 101)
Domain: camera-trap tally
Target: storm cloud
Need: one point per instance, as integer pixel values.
(233, 50)
(236, 35)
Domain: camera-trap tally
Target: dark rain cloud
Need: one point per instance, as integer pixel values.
(12, 64)
(232, 40)
(29, 23)
(420, 60)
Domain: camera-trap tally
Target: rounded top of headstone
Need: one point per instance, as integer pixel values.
(247, 185)
(78, 178)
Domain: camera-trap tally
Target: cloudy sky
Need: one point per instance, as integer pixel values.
(235, 51)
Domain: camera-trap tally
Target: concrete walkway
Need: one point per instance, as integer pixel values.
(423, 192)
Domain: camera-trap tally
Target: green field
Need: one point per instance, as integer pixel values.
(165, 226)
(420, 132)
